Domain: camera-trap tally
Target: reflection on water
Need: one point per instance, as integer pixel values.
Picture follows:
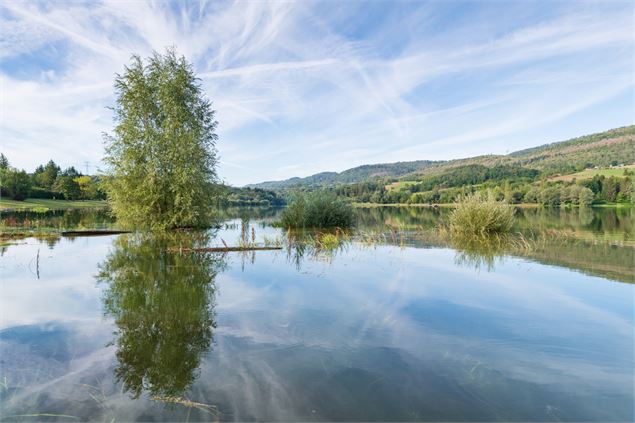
(596, 241)
(387, 322)
(163, 307)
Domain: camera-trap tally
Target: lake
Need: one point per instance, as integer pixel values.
(392, 323)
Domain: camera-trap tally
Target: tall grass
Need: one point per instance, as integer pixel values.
(481, 215)
(317, 210)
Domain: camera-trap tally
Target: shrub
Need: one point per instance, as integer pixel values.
(480, 215)
(39, 192)
(317, 210)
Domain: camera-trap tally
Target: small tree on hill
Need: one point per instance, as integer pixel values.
(162, 153)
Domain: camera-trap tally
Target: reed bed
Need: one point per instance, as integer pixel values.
(317, 210)
(481, 215)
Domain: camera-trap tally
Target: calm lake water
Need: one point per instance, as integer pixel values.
(393, 323)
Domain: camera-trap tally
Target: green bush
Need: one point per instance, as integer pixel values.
(317, 210)
(38, 192)
(477, 214)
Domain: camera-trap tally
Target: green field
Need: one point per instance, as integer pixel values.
(590, 173)
(37, 203)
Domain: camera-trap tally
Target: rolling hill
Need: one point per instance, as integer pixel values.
(353, 175)
(615, 146)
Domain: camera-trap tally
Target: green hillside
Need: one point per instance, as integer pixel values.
(548, 174)
(604, 149)
(356, 174)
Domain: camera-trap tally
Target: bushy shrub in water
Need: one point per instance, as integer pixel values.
(478, 214)
(317, 210)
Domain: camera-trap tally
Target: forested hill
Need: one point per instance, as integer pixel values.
(356, 174)
(595, 150)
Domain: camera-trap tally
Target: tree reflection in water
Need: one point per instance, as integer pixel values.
(163, 306)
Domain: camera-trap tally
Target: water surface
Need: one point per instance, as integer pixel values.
(393, 324)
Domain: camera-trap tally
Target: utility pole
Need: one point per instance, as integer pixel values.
(86, 165)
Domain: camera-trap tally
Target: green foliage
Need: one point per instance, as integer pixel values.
(162, 152)
(39, 192)
(68, 187)
(585, 197)
(319, 209)
(329, 241)
(603, 149)
(478, 215)
(90, 187)
(517, 177)
(4, 162)
(252, 197)
(549, 196)
(472, 175)
(14, 183)
(353, 175)
(44, 176)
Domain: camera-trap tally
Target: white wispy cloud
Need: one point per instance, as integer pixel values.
(301, 87)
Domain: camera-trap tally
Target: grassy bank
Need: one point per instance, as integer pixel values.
(38, 203)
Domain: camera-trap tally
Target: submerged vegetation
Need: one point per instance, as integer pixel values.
(317, 210)
(480, 215)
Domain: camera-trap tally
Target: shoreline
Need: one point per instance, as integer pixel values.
(520, 205)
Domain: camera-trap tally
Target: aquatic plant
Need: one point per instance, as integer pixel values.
(477, 214)
(317, 210)
(329, 241)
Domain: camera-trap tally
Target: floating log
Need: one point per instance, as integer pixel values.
(93, 233)
(221, 249)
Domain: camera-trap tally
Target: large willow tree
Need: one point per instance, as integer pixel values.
(162, 152)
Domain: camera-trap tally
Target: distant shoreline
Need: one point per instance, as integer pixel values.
(35, 204)
(452, 205)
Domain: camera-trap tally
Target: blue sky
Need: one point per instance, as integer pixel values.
(308, 86)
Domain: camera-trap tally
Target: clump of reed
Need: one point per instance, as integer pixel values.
(481, 215)
(318, 209)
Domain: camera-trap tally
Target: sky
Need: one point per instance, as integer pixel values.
(301, 87)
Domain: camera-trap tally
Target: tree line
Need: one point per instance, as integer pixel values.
(48, 181)
(513, 184)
